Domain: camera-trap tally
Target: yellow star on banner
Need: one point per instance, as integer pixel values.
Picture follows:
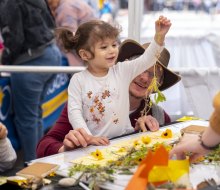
(1, 96)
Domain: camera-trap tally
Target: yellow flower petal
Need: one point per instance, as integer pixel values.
(136, 143)
(167, 134)
(122, 149)
(97, 155)
(146, 139)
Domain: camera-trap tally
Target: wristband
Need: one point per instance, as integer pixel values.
(206, 146)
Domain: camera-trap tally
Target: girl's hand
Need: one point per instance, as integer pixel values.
(80, 138)
(3, 131)
(98, 141)
(162, 26)
(147, 120)
(75, 138)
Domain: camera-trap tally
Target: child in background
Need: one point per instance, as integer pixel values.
(98, 98)
(7, 153)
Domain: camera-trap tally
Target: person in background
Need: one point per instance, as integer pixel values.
(94, 5)
(7, 153)
(114, 8)
(217, 7)
(62, 137)
(26, 27)
(108, 10)
(71, 13)
(203, 144)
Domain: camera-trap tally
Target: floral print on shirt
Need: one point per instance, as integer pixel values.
(96, 104)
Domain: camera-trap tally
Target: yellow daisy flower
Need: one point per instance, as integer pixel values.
(136, 143)
(146, 139)
(167, 134)
(122, 149)
(97, 155)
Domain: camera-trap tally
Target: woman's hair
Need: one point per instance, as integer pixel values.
(86, 35)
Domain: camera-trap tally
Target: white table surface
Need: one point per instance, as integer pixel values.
(197, 173)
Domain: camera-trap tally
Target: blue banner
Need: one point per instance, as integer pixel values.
(6, 113)
(52, 105)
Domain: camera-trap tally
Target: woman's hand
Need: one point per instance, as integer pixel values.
(188, 146)
(148, 121)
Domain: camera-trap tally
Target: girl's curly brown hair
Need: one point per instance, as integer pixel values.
(86, 35)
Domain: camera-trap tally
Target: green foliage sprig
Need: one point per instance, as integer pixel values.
(213, 156)
(97, 174)
(158, 95)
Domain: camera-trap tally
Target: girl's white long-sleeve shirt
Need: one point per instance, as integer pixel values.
(100, 105)
(7, 155)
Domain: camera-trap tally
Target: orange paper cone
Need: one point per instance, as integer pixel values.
(140, 178)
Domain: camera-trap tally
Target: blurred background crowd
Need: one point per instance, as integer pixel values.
(180, 5)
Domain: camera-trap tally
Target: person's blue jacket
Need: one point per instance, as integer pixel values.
(26, 32)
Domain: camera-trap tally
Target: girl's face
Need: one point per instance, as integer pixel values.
(105, 55)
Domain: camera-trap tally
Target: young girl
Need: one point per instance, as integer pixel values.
(98, 98)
